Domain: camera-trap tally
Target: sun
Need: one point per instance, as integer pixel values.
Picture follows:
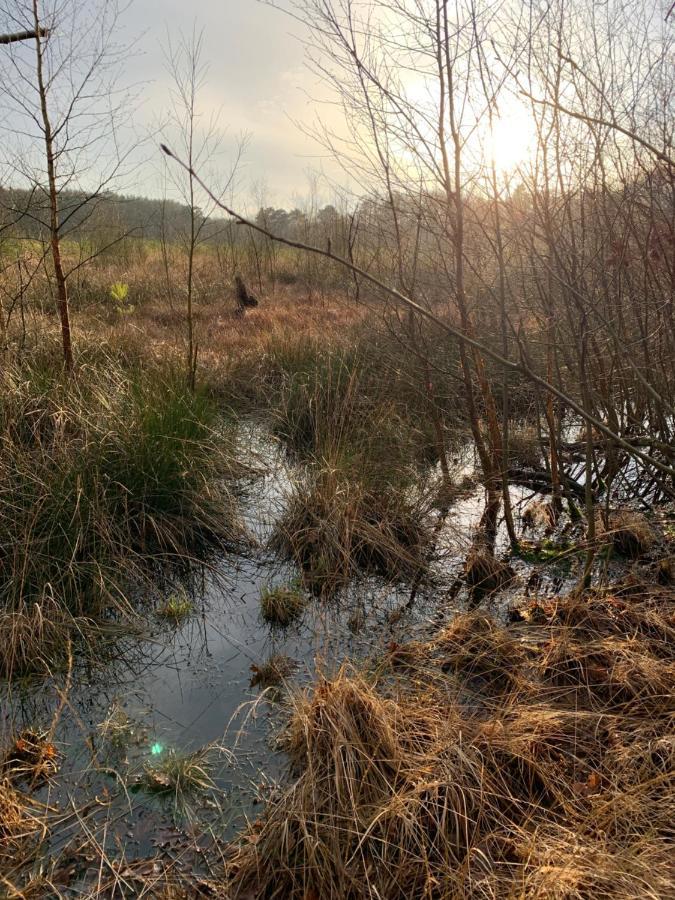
(512, 140)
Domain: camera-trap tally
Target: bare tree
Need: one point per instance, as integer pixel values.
(199, 140)
(565, 273)
(64, 110)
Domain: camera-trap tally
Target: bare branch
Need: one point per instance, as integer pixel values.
(459, 335)
(23, 36)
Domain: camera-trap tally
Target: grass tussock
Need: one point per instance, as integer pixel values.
(282, 605)
(21, 826)
(182, 780)
(98, 473)
(403, 789)
(336, 527)
(484, 574)
(273, 671)
(609, 673)
(629, 532)
(476, 648)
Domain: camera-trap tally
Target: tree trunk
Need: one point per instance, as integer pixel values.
(61, 284)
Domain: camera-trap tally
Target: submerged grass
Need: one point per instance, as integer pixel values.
(98, 474)
(273, 671)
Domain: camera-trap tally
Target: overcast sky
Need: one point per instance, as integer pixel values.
(256, 79)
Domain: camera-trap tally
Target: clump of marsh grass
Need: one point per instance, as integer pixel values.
(282, 605)
(476, 648)
(349, 824)
(32, 757)
(392, 796)
(364, 400)
(20, 829)
(649, 618)
(337, 526)
(176, 608)
(273, 671)
(34, 635)
(609, 673)
(184, 780)
(629, 533)
(98, 475)
(484, 573)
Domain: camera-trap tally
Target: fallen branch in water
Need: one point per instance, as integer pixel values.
(540, 480)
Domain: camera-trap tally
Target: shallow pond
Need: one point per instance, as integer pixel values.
(176, 689)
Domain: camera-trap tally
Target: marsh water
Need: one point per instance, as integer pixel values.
(175, 689)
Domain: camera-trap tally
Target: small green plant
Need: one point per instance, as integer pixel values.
(282, 605)
(119, 293)
(544, 551)
(176, 608)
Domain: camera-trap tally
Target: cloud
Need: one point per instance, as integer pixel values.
(256, 82)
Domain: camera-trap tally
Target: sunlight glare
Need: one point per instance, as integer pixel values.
(512, 141)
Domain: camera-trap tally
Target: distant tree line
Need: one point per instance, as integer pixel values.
(24, 213)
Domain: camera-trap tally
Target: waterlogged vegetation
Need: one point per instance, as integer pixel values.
(320, 592)
(346, 571)
(282, 605)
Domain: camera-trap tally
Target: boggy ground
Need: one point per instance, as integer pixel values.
(532, 758)
(523, 758)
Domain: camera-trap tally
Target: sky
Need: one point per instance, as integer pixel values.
(257, 82)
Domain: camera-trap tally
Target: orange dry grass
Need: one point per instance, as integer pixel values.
(406, 788)
(152, 328)
(20, 829)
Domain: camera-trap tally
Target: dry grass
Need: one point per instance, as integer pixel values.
(525, 446)
(609, 673)
(556, 780)
(476, 648)
(20, 830)
(234, 350)
(629, 533)
(484, 573)
(336, 527)
(273, 671)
